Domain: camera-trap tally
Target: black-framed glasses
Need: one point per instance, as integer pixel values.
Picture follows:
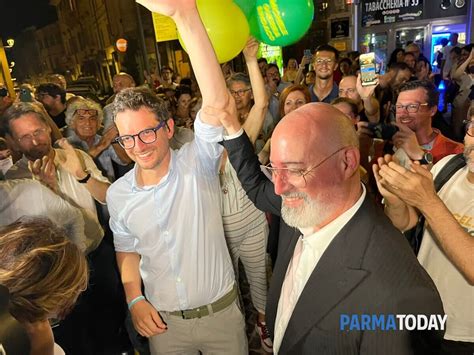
(28, 138)
(240, 92)
(147, 136)
(469, 127)
(411, 108)
(296, 177)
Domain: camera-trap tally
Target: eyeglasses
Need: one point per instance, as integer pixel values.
(320, 61)
(469, 127)
(347, 91)
(239, 93)
(28, 138)
(411, 108)
(295, 177)
(85, 111)
(147, 136)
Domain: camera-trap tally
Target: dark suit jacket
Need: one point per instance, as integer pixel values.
(368, 268)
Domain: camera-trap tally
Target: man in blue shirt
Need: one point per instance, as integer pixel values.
(165, 213)
(325, 63)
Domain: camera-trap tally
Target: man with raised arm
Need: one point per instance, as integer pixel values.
(165, 213)
(339, 257)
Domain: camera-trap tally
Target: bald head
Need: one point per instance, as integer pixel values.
(348, 88)
(320, 142)
(316, 126)
(122, 81)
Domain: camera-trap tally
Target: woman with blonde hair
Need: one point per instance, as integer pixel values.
(44, 273)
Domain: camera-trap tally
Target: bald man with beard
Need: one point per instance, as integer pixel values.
(338, 254)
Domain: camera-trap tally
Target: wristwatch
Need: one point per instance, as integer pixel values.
(426, 159)
(85, 179)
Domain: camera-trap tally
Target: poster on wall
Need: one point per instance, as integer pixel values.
(340, 28)
(390, 11)
(165, 28)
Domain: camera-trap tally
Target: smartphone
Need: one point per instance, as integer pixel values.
(307, 53)
(368, 69)
(25, 95)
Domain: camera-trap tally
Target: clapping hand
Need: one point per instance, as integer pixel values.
(71, 161)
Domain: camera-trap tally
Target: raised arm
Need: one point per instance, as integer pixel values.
(462, 68)
(242, 156)
(299, 75)
(254, 122)
(203, 58)
(371, 104)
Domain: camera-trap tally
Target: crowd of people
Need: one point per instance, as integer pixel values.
(125, 225)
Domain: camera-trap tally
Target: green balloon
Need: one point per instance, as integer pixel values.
(281, 22)
(246, 6)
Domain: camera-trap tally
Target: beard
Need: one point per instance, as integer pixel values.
(468, 150)
(37, 152)
(311, 213)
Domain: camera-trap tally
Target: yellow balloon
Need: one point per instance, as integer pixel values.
(226, 26)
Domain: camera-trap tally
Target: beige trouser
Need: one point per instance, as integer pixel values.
(219, 333)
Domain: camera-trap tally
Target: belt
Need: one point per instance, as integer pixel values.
(203, 311)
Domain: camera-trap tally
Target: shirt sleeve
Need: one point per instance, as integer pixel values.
(206, 146)
(123, 239)
(65, 215)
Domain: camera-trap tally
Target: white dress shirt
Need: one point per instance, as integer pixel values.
(308, 251)
(176, 226)
(26, 197)
(70, 189)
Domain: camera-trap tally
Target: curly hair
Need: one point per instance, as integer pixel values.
(43, 271)
(136, 98)
(82, 103)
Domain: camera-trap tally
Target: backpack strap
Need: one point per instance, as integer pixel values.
(415, 235)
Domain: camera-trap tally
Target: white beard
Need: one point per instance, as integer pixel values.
(311, 213)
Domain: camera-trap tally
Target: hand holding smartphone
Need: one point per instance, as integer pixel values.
(368, 73)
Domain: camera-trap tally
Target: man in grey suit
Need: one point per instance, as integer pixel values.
(339, 257)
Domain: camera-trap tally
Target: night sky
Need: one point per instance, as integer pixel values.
(15, 15)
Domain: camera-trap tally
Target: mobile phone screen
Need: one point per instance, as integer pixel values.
(307, 53)
(368, 69)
